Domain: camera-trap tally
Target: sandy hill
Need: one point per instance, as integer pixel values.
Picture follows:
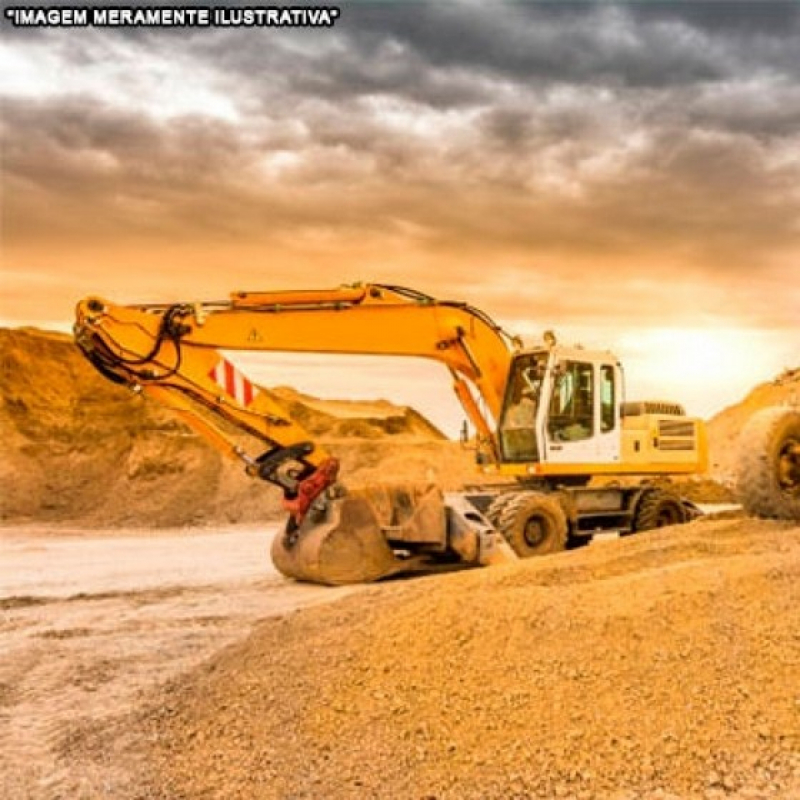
(724, 428)
(343, 419)
(662, 666)
(81, 449)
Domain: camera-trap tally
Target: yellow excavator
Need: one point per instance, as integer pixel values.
(550, 418)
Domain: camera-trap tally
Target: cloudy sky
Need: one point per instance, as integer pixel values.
(628, 175)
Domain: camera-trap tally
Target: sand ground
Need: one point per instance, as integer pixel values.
(140, 665)
(90, 625)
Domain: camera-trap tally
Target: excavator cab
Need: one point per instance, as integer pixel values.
(562, 406)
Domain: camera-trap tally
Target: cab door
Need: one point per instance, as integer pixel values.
(582, 421)
(609, 391)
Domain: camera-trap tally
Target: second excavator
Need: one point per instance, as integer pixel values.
(550, 418)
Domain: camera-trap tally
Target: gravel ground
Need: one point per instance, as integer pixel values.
(665, 665)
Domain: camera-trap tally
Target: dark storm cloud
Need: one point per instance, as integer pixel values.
(638, 45)
(78, 165)
(506, 59)
(774, 18)
(537, 126)
(549, 42)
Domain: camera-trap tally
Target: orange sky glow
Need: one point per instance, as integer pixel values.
(643, 198)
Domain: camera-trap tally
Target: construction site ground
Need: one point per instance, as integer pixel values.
(142, 658)
(90, 624)
(177, 664)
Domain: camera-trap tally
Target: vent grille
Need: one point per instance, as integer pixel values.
(676, 444)
(669, 427)
(676, 434)
(638, 408)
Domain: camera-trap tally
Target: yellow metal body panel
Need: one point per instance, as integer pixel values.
(650, 445)
(658, 439)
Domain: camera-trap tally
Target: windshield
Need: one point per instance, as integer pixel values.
(517, 423)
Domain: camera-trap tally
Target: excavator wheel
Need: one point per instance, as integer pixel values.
(349, 541)
(534, 524)
(658, 509)
(768, 482)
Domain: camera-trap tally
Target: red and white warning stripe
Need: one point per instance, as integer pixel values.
(227, 377)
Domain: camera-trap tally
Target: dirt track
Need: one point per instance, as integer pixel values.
(90, 626)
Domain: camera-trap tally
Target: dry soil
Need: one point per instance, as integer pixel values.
(79, 449)
(89, 626)
(661, 665)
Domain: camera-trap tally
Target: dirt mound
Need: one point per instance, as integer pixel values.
(704, 490)
(724, 428)
(334, 419)
(658, 666)
(80, 449)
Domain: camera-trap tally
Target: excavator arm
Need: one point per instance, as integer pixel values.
(172, 354)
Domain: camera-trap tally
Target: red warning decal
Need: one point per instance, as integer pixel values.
(227, 377)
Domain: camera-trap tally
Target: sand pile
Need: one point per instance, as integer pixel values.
(665, 665)
(80, 449)
(345, 419)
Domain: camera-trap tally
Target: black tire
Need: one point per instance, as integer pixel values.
(658, 508)
(497, 506)
(768, 479)
(534, 524)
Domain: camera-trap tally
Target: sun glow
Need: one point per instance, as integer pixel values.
(706, 369)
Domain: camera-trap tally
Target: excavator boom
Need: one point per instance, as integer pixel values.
(172, 353)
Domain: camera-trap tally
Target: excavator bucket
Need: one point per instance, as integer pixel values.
(364, 535)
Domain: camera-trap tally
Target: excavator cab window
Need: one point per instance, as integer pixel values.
(518, 422)
(571, 413)
(608, 419)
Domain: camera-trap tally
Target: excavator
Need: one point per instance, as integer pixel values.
(563, 455)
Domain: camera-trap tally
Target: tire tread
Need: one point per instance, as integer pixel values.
(756, 481)
(515, 506)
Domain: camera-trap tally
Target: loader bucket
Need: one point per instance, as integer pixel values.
(350, 544)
